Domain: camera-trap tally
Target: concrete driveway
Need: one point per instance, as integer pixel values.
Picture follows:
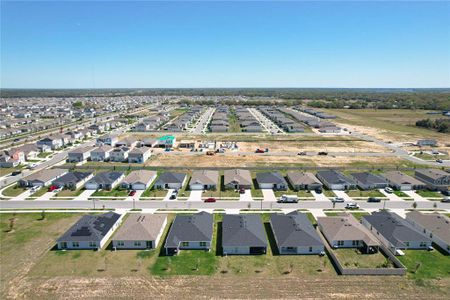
(22, 196)
(317, 213)
(46, 196)
(167, 196)
(85, 195)
(247, 196)
(320, 197)
(269, 195)
(415, 196)
(195, 196)
(343, 194)
(391, 197)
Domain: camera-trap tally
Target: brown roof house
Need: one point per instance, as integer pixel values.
(204, 180)
(303, 180)
(237, 179)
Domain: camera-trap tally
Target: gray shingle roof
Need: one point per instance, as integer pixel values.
(90, 228)
(170, 177)
(368, 178)
(270, 177)
(243, 230)
(294, 230)
(186, 228)
(335, 177)
(106, 177)
(395, 229)
(72, 177)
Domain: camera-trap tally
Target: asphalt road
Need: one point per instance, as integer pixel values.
(203, 121)
(119, 204)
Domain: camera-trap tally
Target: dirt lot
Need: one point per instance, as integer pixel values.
(203, 160)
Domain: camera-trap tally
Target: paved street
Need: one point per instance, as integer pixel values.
(267, 124)
(342, 194)
(415, 196)
(203, 121)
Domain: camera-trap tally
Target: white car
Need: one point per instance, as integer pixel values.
(388, 190)
(352, 206)
(338, 199)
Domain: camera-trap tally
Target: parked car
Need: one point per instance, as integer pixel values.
(445, 193)
(446, 200)
(52, 188)
(31, 166)
(174, 195)
(352, 206)
(373, 199)
(388, 190)
(338, 199)
(210, 200)
(322, 153)
(318, 190)
(439, 161)
(15, 173)
(34, 189)
(258, 150)
(301, 153)
(132, 193)
(241, 191)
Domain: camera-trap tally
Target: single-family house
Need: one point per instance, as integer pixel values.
(434, 225)
(79, 155)
(108, 140)
(427, 142)
(344, 231)
(190, 232)
(237, 179)
(72, 180)
(170, 180)
(119, 154)
(204, 180)
(139, 155)
(335, 180)
(403, 182)
(243, 234)
(303, 181)
(140, 231)
(434, 179)
(294, 234)
(395, 232)
(138, 180)
(369, 181)
(271, 180)
(101, 153)
(42, 178)
(104, 181)
(90, 232)
(51, 142)
(129, 142)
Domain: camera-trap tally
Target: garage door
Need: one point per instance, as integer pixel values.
(196, 187)
(138, 186)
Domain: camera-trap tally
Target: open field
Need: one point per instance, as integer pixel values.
(423, 264)
(38, 273)
(389, 124)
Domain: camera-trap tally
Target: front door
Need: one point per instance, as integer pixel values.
(148, 244)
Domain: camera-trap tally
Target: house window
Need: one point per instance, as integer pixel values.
(202, 244)
(75, 244)
(355, 243)
(340, 243)
(423, 244)
(137, 243)
(431, 235)
(185, 244)
(310, 249)
(92, 244)
(407, 244)
(120, 243)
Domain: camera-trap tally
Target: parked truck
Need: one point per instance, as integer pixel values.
(288, 199)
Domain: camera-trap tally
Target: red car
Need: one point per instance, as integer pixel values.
(259, 151)
(210, 200)
(241, 191)
(52, 188)
(132, 193)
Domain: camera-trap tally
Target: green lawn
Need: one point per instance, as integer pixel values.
(187, 262)
(361, 193)
(40, 192)
(430, 194)
(401, 194)
(5, 171)
(117, 192)
(13, 191)
(70, 193)
(44, 154)
(300, 193)
(423, 264)
(352, 258)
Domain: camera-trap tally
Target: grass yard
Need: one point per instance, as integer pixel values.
(352, 258)
(13, 191)
(6, 171)
(151, 192)
(400, 194)
(429, 194)
(117, 192)
(423, 264)
(361, 193)
(329, 193)
(70, 193)
(40, 192)
(44, 154)
(187, 262)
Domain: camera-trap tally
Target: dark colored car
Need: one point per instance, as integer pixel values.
(323, 153)
(445, 193)
(318, 191)
(210, 200)
(241, 191)
(15, 173)
(373, 199)
(132, 193)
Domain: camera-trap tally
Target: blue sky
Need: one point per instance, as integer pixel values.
(224, 44)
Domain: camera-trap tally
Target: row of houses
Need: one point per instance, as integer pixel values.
(185, 120)
(280, 117)
(109, 153)
(219, 120)
(247, 122)
(313, 120)
(245, 234)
